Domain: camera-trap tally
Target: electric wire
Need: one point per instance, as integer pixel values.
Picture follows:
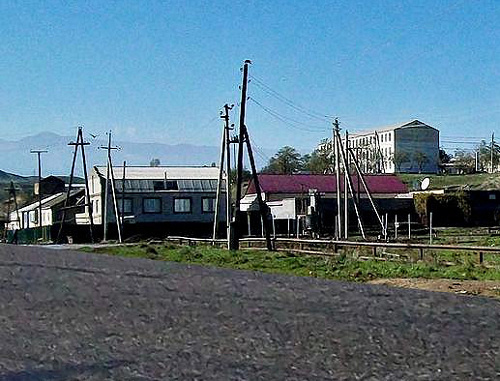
(285, 120)
(270, 91)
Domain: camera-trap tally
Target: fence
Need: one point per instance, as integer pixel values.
(330, 247)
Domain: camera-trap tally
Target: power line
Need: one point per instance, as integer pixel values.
(288, 121)
(270, 91)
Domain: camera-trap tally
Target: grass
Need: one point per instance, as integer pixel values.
(476, 180)
(343, 267)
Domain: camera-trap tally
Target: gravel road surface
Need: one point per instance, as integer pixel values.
(73, 316)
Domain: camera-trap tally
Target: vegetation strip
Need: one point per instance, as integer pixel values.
(346, 266)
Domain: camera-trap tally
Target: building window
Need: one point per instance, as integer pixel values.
(182, 205)
(389, 136)
(96, 207)
(208, 205)
(127, 205)
(158, 185)
(151, 205)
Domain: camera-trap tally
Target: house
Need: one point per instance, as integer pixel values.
(156, 201)
(50, 185)
(291, 196)
(26, 220)
(410, 147)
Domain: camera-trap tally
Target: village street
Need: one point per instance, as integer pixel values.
(73, 316)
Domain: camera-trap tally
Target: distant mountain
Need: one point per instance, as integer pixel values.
(15, 155)
(7, 177)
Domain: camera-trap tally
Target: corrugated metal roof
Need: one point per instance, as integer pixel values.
(162, 172)
(204, 185)
(49, 201)
(325, 183)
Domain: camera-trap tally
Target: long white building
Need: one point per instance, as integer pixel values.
(411, 147)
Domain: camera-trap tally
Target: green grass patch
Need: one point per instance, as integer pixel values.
(475, 180)
(343, 267)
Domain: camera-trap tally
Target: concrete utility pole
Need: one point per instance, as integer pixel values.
(109, 148)
(219, 183)
(39, 153)
(225, 151)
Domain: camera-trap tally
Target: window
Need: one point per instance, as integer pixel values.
(182, 205)
(151, 205)
(208, 205)
(382, 138)
(158, 185)
(96, 207)
(127, 205)
(389, 136)
(34, 216)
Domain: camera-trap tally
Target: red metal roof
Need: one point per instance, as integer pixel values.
(325, 183)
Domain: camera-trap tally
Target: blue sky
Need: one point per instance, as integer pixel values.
(161, 70)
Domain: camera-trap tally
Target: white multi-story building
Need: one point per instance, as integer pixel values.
(411, 147)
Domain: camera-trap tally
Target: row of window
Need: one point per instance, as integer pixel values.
(385, 137)
(154, 205)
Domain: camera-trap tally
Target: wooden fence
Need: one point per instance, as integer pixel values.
(331, 248)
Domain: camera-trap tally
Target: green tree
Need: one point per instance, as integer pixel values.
(485, 155)
(286, 161)
(319, 161)
(421, 159)
(155, 162)
(464, 161)
(399, 158)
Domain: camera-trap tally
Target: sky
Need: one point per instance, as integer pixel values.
(160, 71)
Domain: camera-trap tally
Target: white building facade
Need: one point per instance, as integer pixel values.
(411, 147)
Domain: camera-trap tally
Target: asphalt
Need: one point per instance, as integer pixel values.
(74, 316)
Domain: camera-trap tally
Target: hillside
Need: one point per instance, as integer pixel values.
(483, 181)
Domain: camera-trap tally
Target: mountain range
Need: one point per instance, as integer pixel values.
(15, 156)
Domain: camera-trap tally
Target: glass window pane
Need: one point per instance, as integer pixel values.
(182, 205)
(208, 205)
(152, 205)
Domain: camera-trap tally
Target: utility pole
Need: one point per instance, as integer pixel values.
(225, 151)
(346, 200)
(39, 153)
(109, 148)
(491, 150)
(219, 183)
(335, 143)
(244, 137)
(80, 142)
(235, 242)
(227, 129)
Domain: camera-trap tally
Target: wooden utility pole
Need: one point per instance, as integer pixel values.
(12, 198)
(78, 143)
(491, 151)
(109, 148)
(244, 137)
(346, 199)
(39, 153)
(335, 142)
(350, 185)
(239, 164)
